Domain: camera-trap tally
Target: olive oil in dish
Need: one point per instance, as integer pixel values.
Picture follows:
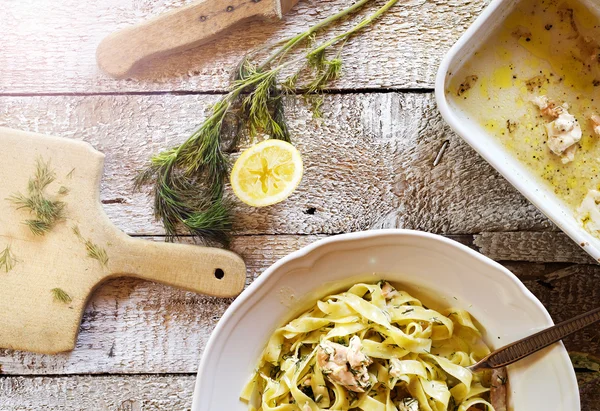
(535, 86)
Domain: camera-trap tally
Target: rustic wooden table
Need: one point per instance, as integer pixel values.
(368, 165)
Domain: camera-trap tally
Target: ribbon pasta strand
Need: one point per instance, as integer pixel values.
(372, 348)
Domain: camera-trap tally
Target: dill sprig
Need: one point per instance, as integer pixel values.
(38, 227)
(61, 296)
(93, 250)
(47, 212)
(188, 180)
(7, 259)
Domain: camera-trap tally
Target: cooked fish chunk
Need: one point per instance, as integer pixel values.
(343, 365)
(589, 211)
(547, 107)
(596, 123)
(356, 358)
(388, 291)
(408, 404)
(498, 391)
(395, 367)
(564, 132)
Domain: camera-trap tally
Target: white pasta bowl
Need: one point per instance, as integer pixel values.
(438, 271)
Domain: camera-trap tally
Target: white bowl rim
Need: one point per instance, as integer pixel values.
(253, 289)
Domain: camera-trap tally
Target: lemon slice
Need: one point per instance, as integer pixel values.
(267, 173)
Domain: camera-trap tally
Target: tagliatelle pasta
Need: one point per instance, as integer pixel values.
(372, 348)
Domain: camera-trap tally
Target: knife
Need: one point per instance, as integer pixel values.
(181, 29)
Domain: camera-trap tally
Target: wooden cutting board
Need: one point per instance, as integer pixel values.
(45, 280)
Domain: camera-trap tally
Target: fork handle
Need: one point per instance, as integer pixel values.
(522, 348)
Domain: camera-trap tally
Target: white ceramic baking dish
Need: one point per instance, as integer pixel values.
(487, 145)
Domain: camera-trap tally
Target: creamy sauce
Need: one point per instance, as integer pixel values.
(544, 48)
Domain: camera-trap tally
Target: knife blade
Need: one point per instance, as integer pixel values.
(181, 29)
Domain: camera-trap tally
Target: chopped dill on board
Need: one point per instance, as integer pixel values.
(38, 227)
(7, 259)
(93, 250)
(188, 180)
(47, 212)
(61, 296)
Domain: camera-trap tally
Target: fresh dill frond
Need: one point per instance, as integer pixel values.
(181, 202)
(47, 212)
(7, 259)
(263, 106)
(93, 250)
(77, 232)
(96, 253)
(316, 102)
(38, 227)
(70, 174)
(326, 71)
(188, 180)
(21, 201)
(63, 190)
(42, 178)
(61, 296)
(212, 222)
(288, 86)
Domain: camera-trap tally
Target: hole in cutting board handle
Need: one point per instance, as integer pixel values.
(219, 274)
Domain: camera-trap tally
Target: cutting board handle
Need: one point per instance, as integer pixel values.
(180, 29)
(202, 270)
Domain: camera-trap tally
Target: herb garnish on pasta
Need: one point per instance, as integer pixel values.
(372, 348)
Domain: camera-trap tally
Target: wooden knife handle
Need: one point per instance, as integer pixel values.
(204, 270)
(180, 29)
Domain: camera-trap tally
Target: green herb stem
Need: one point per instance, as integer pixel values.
(47, 212)
(93, 250)
(61, 296)
(189, 179)
(7, 259)
(365, 22)
(294, 41)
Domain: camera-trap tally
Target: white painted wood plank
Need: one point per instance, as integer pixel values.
(367, 165)
(133, 326)
(132, 393)
(107, 393)
(49, 47)
(531, 246)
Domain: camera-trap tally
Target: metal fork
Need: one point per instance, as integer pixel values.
(522, 348)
